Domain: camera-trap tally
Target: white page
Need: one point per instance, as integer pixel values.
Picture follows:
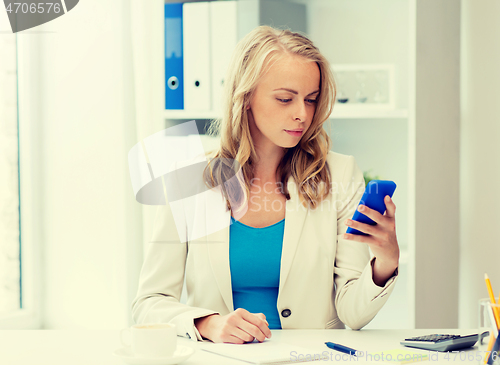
(267, 352)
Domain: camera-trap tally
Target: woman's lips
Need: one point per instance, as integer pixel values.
(295, 134)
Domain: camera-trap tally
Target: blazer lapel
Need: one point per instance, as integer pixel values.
(218, 242)
(295, 217)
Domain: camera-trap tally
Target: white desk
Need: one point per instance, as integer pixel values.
(94, 347)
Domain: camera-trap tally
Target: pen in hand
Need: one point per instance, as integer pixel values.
(337, 347)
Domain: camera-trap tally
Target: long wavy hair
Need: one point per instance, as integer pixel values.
(307, 161)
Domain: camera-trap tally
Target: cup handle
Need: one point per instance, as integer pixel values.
(125, 343)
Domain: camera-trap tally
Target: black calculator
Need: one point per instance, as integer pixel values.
(441, 342)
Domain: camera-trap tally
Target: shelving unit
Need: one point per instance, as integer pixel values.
(415, 145)
(339, 112)
(377, 138)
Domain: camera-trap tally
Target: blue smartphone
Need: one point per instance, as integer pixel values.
(373, 198)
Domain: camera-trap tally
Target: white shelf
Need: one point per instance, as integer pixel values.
(338, 113)
(351, 112)
(186, 114)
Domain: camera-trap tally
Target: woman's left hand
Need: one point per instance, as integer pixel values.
(381, 239)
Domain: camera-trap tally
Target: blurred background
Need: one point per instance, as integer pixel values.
(417, 104)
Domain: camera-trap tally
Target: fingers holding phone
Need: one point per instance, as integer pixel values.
(374, 223)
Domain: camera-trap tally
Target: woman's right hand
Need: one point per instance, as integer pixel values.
(239, 327)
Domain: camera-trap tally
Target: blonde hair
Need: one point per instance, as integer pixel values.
(306, 162)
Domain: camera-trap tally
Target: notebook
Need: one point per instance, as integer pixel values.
(267, 352)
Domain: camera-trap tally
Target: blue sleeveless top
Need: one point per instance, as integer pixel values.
(255, 261)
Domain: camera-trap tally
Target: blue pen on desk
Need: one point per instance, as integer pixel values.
(337, 347)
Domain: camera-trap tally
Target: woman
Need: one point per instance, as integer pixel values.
(286, 262)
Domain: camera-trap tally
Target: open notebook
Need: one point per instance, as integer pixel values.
(267, 352)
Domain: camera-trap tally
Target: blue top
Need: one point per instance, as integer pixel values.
(255, 261)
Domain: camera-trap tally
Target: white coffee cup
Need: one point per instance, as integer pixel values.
(151, 339)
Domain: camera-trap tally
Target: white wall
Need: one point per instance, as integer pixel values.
(479, 160)
(435, 139)
(90, 219)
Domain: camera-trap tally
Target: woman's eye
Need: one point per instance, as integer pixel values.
(308, 100)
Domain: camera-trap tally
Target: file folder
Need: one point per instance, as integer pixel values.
(224, 37)
(196, 36)
(174, 64)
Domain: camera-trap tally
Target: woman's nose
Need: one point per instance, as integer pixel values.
(301, 112)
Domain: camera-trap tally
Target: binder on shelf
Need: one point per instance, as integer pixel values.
(223, 40)
(199, 54)
(196, 36)
(174, 64)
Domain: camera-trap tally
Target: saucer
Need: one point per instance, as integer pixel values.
(180, 354)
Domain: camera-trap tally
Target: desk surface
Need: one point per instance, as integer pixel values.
(93, 347)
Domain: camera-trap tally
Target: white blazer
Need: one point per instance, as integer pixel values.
(325, 281)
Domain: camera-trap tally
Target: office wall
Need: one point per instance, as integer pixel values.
(480, 169)
(435, 134)
(90, 219)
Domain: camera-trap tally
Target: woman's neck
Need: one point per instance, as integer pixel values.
(267, 163)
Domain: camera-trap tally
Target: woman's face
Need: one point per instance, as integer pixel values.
(284, 100)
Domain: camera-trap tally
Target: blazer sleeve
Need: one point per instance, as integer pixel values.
(162, 278)
(357, 297)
